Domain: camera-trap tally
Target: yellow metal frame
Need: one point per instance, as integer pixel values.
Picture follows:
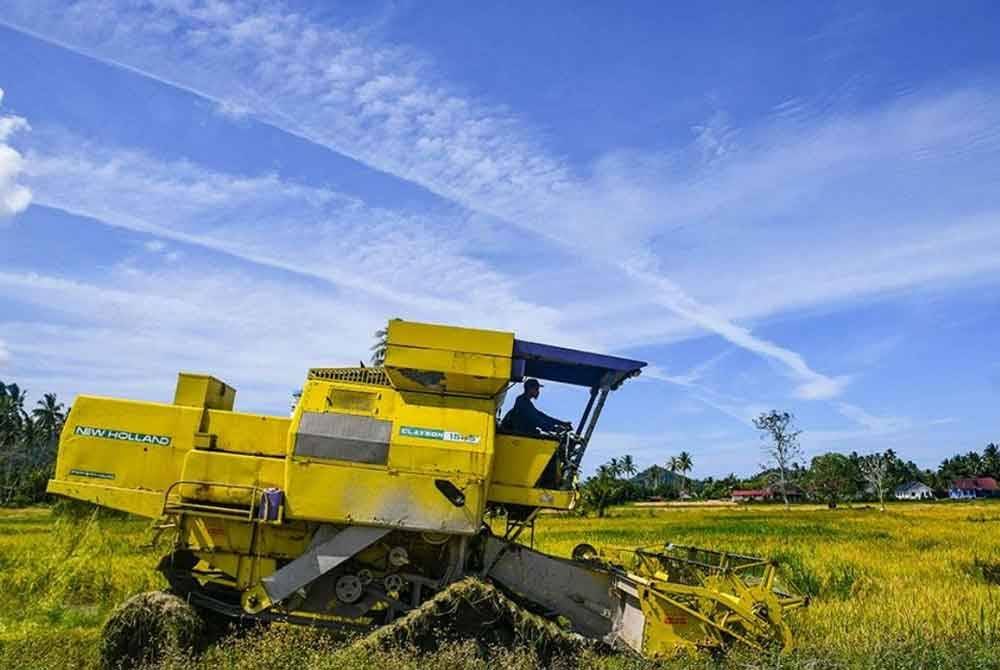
(435, 461)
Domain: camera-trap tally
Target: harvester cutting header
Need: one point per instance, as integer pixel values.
(370, 499)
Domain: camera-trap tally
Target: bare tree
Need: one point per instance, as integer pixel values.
(783, 449)
(875, 468)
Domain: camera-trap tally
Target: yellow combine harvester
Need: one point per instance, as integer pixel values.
(371, 498)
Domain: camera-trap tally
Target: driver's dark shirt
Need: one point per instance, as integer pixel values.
(525, 419)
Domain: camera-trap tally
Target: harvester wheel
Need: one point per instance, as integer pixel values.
(147, 628)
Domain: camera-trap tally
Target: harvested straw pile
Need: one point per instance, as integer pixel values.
(474, 610)
(148, 627)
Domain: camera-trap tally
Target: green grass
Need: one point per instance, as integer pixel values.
(913, 587)
(60, 576)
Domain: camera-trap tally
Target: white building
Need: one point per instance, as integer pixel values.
(914, 491)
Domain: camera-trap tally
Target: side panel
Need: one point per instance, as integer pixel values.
(520, 461)
(198, 390)
(375, 496)
(124, 454)
(370, 455)
(569, 589)
(248, 433)
(532, 497)
(447, 359)
(112, 445)
(450, 338)
(143, 503)
(216, 467)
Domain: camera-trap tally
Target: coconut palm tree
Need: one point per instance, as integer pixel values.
(674, 465)
(628, 465)
(684, 464)
(31, 433)
(49, 417)
(12, 414)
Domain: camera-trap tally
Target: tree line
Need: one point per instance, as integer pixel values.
(830, 478)
(29, 438)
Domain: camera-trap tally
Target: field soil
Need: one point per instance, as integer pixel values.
(916, 586)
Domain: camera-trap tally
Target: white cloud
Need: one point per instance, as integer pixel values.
(665, 292)
(384, 107)
(4, 353)
(822, 388)
(415, 260)
(714, 238)
(417, 265)
(878, 425)
(14, 197)
(259, 334)
(689, 378)
(232, 111)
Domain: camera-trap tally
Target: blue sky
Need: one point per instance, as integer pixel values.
(795, 206)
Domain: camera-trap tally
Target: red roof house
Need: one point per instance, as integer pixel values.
(747, 495)
(974, 487)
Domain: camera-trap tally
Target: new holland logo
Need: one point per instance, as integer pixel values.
(122, 435)
(437, 434)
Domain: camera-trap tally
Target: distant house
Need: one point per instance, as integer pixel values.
(975, 487)
(792, 492)
(914, 491)
(751, 495)
(767, 494)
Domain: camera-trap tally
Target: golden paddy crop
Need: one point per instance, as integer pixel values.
(916, 586)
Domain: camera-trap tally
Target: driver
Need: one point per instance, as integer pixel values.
(524, 419)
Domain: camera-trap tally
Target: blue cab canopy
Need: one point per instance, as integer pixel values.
(571, 366)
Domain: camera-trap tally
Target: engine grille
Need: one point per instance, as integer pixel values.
(371, 376)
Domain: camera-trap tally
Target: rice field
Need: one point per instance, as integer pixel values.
(917, 586)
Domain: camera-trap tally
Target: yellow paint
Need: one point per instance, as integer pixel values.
(402, 492)
(414, 448)
(196, 390)
(445, 359)
(437, 460)
(141, 503)
(532, 497)
(521, 460)
(228, 469)
(450, 338)
(248, 433)
(90, 459)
